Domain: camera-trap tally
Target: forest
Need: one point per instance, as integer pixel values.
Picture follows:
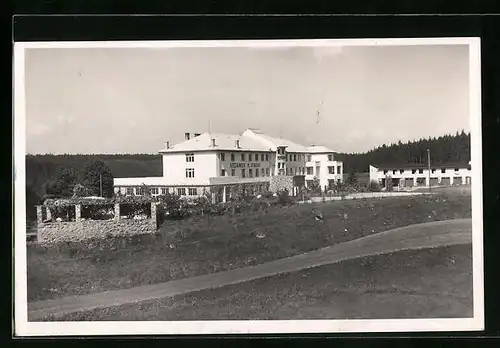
(41, 169)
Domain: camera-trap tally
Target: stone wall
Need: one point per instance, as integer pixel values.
(81, 229)
(53, 232)
(281, 182)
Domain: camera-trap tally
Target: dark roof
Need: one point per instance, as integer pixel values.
(398, 166)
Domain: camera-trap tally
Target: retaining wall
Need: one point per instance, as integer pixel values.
(281, 182)
(53, 232)
(81, 229)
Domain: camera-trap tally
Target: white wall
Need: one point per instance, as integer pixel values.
(227, 164)
(462, 173)
(175, 165)
(324, 174)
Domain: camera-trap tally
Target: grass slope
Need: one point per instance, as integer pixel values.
(429, 283)
(208, 245)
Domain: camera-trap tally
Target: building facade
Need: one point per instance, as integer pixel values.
(407, 176)
(202, 161)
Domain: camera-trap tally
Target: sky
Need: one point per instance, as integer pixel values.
(133, 100)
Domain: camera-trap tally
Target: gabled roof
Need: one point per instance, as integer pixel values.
(398, 166)
(226, 142)
(319, 149)
(249, 140)
(274, 142)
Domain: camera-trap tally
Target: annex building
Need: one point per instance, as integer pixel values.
(412, 175)
(211, 161)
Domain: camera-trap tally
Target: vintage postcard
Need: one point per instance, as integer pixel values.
(236, 187)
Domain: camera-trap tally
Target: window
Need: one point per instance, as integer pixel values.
(222, 156)
(223, 172)
(401, 171)
(233, 172)
(456, 169)
(309, 170)
(256, 157)
(232, 157)
(164, 190)
(267, 157)
(250, 172)
(339, 170)
(181, 191)
(385, 171)
(242, 156)
(243, 173)
(192, 191)
(262, 157)
(308, 158)
(138, 191)
(420, 171)
(413, 171)
(433, 170)
(256, 172)
(190, 157)
(330, 157)
(130, 191)
(443, 170)
(295, 158)
(331, 170)
(189, 172)
(154, 191)
(468, 168)
(263, 171)
(267, 171)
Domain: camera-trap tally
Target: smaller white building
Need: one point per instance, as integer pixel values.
(321, 164)
(414, 175)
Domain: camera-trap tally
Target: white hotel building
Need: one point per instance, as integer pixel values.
(207, 160)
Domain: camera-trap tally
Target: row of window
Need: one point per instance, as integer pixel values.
(255, 157)
(181, 191)
(243, 172)
(243, 157)
(421, 170)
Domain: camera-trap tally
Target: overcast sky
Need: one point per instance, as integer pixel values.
(132, 100)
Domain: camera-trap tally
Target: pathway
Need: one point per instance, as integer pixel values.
(426, 235)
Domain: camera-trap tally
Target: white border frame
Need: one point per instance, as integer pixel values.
(25, 328)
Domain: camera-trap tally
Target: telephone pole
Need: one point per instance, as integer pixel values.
(100, 184)
(429, 167)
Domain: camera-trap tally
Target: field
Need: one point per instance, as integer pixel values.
(429, 283)
(207, 244)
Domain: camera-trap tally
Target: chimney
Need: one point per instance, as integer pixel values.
(167, 145)
(186, 136)
(237, 143)
(196, 135)
(213, 142)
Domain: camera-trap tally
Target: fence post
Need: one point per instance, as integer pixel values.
(39, 215)
(117, 211)
(78, 212)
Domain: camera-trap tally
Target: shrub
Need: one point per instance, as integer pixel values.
(374, 186)
(81, 191)
(284, 197)
(388, 184)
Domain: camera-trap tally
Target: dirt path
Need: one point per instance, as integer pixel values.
(427, 235)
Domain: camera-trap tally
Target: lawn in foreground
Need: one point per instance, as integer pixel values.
(207, 245)
(427, 283)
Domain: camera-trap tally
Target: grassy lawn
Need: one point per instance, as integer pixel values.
(206, 245)
(429, 283)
